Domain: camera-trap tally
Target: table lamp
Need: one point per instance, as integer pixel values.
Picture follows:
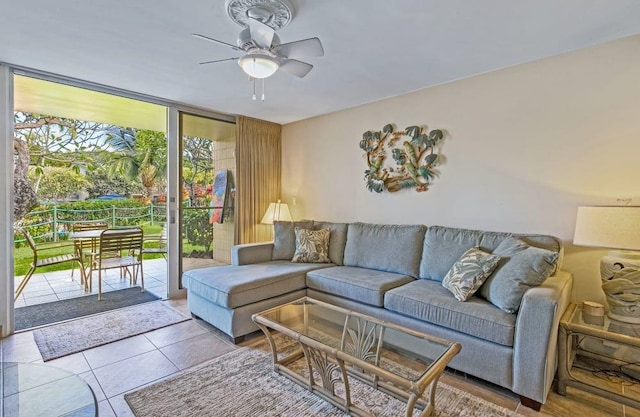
(276, 212)
(618, 228)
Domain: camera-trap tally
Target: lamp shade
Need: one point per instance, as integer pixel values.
(614, 227)
(276, 212)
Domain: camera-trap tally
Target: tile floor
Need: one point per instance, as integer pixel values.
(122, 366)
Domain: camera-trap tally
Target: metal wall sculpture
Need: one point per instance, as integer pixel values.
(412, 150)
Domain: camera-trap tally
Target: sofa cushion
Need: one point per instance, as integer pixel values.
(443, 246)
(360, 284)
(337, 239)
(391, 248)
(469, 272)
(521, 267)
(311, 246)
(284, 238)
(234, 286)
(429, 301)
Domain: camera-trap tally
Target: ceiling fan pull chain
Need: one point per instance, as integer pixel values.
(263, 89)
(254, 89)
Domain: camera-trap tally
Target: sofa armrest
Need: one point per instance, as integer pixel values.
(251, 253)
(535, 344)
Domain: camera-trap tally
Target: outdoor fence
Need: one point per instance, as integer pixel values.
(55, 223)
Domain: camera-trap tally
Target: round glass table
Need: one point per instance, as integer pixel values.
(32, 389)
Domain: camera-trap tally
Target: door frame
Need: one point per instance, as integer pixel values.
(7, 72)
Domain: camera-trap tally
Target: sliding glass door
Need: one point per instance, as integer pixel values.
(207, 165)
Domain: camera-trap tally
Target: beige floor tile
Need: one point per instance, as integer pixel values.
(90, 378)
(120, 406)
(23, 352)
(175, 333)
(196, 350)
(18, 338)
(105, 410)
(75, 363)
(128, 374)
(117, 351)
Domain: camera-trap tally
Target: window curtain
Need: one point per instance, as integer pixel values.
(259, 168)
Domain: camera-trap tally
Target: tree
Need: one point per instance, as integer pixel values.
(24, 196)
(197, 158)
(40, 141)
(58, 183)
(102, 182)
(140, 154)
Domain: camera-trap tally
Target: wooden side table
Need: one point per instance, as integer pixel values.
(572, 329)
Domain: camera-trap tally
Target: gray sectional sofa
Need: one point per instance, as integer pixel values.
(395, 273)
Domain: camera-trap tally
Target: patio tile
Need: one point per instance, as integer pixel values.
(41, 299)
(36, 292)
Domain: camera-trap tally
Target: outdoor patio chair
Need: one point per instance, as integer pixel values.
(120, 249)
(87, 248)
(40, 259)
(159, 243)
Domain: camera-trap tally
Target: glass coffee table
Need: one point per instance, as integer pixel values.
(32, 389)
(339, 344)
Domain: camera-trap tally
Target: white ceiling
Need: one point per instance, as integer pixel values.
(373, 48)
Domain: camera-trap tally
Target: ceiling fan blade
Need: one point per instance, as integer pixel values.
(206, 38)
(219, 60)
(295, 67)
(261, 34)
(301, 48)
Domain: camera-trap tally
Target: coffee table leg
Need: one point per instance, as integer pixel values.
(272, 344)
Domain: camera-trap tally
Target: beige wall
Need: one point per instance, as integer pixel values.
(524, 147)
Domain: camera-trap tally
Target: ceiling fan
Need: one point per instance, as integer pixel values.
(262, 53)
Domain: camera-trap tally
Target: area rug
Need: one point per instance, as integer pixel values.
(56, 311)
(243, 383)
(88, 332)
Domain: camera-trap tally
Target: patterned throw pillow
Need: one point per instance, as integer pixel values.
(312, 246)
(469, 272)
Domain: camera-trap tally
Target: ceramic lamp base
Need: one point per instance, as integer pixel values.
(621, 284)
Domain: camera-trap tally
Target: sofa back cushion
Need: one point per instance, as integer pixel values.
(391, 248)
(284, 238)
(337, 239)
(444, 245)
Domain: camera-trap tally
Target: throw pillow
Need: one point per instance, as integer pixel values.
(469, 272)
(311, 246)
(522, 267)
(284, 238)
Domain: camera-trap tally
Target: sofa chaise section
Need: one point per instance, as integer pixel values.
(225, 296)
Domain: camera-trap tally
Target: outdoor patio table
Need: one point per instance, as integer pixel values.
(94, 237)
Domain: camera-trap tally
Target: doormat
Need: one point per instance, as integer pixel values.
(72, 308)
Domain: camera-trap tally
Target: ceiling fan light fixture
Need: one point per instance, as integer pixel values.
(258, 65)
